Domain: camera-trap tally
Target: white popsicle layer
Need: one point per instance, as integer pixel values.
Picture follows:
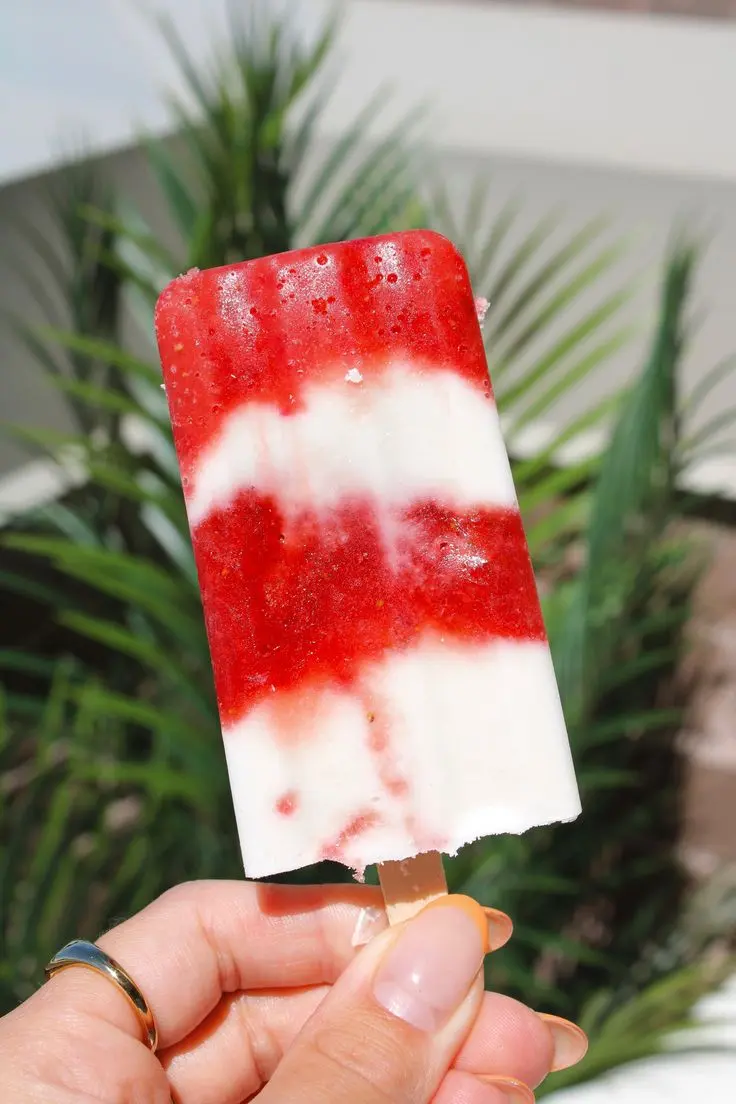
(480, 739)
(397, 437)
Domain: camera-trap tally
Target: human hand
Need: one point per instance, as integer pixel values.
(258, 991)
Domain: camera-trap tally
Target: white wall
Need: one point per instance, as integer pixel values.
(601, 88)
(587, 87)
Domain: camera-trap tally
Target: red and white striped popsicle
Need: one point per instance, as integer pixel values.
(383, 676)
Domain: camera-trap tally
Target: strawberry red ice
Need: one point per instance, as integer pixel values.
(383, 675)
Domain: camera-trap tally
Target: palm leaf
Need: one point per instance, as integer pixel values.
(635, 485)
(550, 270)
(547, 334)
(133, 230)
(384, 170)
(105, 351)
(578, 334)
(322, 178)
(482, 258)
(98, 398)
(576, 374)
(180, 199)
(520, 258)
(645, 1025)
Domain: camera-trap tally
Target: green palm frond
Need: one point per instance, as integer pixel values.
(79, 289)
(550, 328)
(86, 830)
(633, 497)
(615, 625)
(644, 1025)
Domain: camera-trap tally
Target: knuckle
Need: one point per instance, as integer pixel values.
(263, 1049)
(178, 895)
(111, 1066)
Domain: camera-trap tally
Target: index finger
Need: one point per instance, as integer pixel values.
(204, 939)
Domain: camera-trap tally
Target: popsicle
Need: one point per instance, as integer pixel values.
(383, 675)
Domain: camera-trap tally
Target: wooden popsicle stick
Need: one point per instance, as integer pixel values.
(411, 884)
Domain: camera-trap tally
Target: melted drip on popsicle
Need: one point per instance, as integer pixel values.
(335, 849)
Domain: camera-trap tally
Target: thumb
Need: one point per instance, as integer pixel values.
(394, 1021)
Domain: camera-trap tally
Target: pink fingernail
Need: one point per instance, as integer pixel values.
(371, 922)
(570, 1041)
(431, 967)
(500, 928)
(516, 1092)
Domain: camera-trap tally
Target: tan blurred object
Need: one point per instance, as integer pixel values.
(702, 9)
(710, 795)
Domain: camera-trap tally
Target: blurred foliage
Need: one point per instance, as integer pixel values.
(111, 767)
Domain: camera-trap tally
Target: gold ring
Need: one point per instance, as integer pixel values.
(81, 953)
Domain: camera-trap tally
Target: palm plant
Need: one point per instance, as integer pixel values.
(135, 704)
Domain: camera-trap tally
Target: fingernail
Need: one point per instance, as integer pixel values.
(430, 968)
(500, 928)
(472, 909)
(516, 1092)
(570, 1041)
(370, 922)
